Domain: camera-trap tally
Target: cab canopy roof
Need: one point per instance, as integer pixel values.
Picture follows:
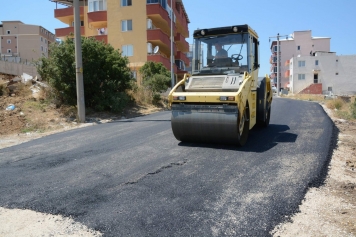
(224, 31)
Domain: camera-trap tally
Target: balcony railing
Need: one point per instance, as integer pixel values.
(287, 74)
(165, 61)
(182, 56)
(68, 31)
(66, 15)
(98, 18)
(157, 37)
(182, 44)
(101, 38)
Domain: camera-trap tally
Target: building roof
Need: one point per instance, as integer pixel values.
(14, 21)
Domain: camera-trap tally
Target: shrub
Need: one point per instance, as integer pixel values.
(105, 72)
(155, 76)
(353, 109)
(335, 104)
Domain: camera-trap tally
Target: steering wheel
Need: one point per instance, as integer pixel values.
(237, 57)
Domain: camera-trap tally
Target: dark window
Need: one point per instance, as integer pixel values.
(125, 3)
(298, 47)
(316, 62)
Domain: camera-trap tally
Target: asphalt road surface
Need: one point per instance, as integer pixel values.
(133, 178)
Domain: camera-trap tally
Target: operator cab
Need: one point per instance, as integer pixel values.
(225, 51)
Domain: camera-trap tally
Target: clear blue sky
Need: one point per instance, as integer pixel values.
(335, 19)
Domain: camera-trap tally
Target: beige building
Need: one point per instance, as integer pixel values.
(141, 29)
(22, 42)
(298, 44)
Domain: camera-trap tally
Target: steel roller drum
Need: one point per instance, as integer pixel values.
(205, 123)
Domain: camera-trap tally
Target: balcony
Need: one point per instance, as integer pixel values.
(98, 19)
(101, 38)
(68, 31)
(66, 15)
(181, 43)
(287, 74)
(159, 17)
(183, 57)
(157, 37)
(160, 59)
(182, 24)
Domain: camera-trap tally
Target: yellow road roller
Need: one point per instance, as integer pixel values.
(223, 97)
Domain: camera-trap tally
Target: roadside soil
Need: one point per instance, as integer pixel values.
(329, 210)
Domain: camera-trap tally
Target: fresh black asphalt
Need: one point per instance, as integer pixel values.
(133, 178)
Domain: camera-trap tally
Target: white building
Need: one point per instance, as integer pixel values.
(323, 72)
(300, 43)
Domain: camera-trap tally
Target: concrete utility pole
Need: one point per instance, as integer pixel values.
(278, 61)
(79, 63)
(172, 54)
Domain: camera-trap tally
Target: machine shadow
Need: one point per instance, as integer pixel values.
(259, 139)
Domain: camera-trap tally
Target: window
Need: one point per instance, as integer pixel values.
(301, 63)
(275, 48)
(41, 48)
(275, 69)
(316, 62)
(330, 88)
(9, 51)
(8, 32)
(127, 50)
(298, 47)
(162, 2)
(126, 25)
(41, 39)
(275, 59)
(336, 73)
(125, 3)
(97, 5)
(81, 23)
(9, 41)
(301, 76)
(337, 60)
(45, 41)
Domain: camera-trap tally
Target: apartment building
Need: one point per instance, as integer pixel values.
(22, 42)
(141, 29)
(323, 72)
(298, 44)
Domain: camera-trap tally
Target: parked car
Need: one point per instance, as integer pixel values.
(274, 89)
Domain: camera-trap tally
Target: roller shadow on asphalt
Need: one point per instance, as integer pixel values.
(259, 139)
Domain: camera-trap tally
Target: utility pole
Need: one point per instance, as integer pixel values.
(172, 54)
(278, 61)
(79, 63)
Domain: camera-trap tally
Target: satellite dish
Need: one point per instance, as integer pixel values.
(155, 50)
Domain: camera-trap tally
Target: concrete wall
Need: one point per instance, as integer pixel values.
(334, 72)
(17, 69)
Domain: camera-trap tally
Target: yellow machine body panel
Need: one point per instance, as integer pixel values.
(223, 98)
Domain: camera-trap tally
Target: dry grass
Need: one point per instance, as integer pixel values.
(141, 95)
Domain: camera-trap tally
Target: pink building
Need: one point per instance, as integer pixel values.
(298, 44)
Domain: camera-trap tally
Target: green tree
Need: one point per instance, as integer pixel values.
(155, 76)
(105, 72)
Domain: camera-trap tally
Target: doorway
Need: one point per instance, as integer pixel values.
(316, 80)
